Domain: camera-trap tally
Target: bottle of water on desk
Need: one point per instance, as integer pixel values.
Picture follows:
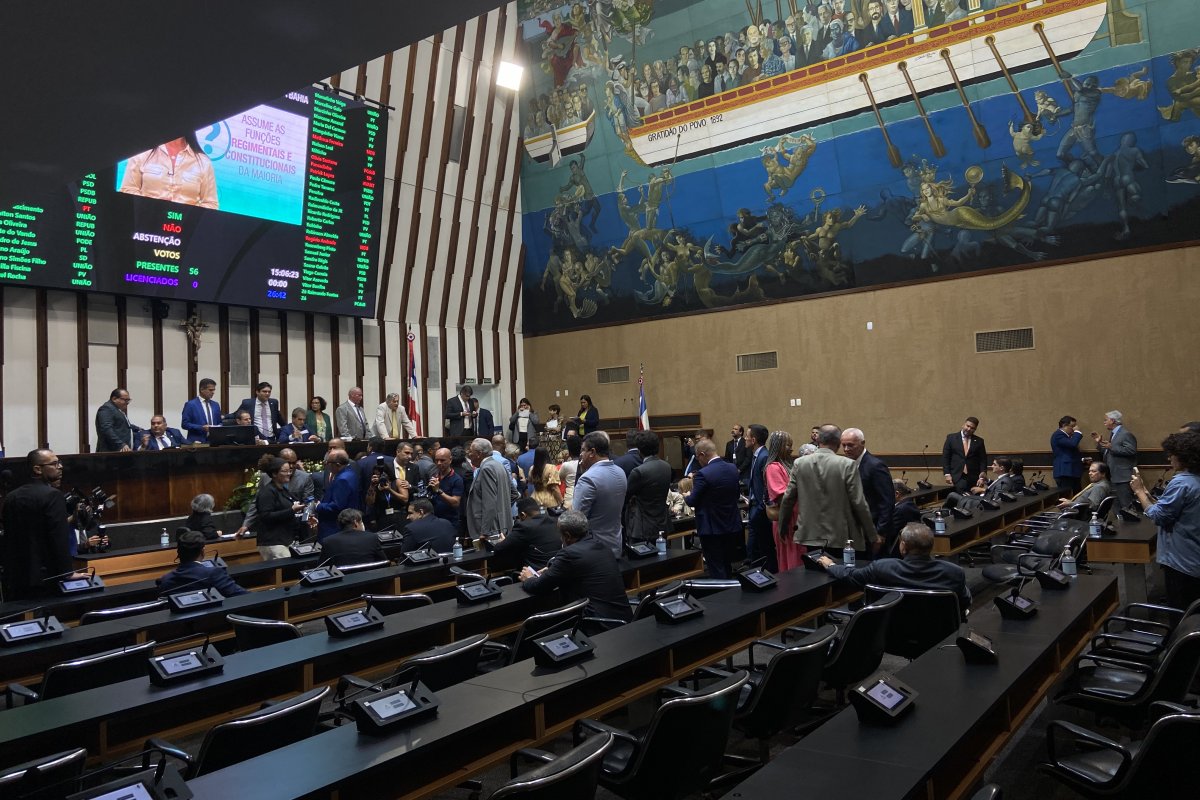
(660, 544)
(164, 539)
(1067, 562)
(457, 551)
(1095, 526)
(939, 522)
(848, 553)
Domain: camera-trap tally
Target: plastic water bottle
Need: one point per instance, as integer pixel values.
(660, 544)
(457, 550)
(164, 540)
(1095, 526)
(939, 522)
(848, 553)
(1067, 563)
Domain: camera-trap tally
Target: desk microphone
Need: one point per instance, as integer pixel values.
(31, 611)
(925, 484)
(379, 686)
(190, 584)
(90, 570)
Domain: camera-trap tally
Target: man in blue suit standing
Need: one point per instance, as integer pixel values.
(201, 413)
(1068, 463)
(715, 492)
(341, 492)
(761, 541)
(160, 437)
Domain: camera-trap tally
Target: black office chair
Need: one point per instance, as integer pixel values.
(680, 751)
(858, 648)
(572, 776)
(439, 667)
(252, 632)
(643, 607)
(499, 654)
(1159, 766)
(87, 672)
(362, 566)
(926, 617)
(45, 778)
(388, 604)
(120, 612)
(1139, 631)
(1014, 562)
(988, 792)
(702, 587)
(779, 694)
(258, 732)
(1124, 689)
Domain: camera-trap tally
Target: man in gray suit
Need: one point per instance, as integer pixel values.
(489, 503)
(1119, 451)
(829, 491)
(350, 418)
(600, 491)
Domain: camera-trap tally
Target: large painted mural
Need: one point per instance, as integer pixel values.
(690, 156)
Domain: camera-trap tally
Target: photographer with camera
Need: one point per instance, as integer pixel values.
(85, 514)
(382, 492)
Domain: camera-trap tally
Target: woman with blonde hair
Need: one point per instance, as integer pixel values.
(543, 478)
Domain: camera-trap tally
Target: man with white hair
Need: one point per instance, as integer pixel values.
(489, 501)
(876, 483)
(1119, 451)
(391, 421)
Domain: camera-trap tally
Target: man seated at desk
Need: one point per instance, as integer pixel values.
(583, 568)
(191, 574)
(1097, 490)
(160, 437)
(1003, 480)
(534, 537)
(426, 529)
(353, 544)
(243, 418)
(915, 569)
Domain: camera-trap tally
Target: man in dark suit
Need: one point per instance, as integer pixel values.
(191, 574)
(485, 425)
(715, 492)
(906, 511)
(736, 453)
(964, 457)
(341, 492)
(201, 412)
(646, 512)
(425, 529)
(876, 483)
(38, 539)
(264, 411)
(878, 28)
(1119, 451)
(761, 541)
(915, 569)
(353, 544)
(460, 413)
(160, 437)
(584, 567)
(632, 457)
(114, 432)
(534, 537)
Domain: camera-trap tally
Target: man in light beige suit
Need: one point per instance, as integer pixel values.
(829, 492)
(390, 420)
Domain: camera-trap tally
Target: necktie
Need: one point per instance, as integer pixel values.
(265, 426)
(162, 443)
(395, 432)
(207, 412)
(362, 422)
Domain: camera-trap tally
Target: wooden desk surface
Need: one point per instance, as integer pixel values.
(962, 534)
(1134, 543)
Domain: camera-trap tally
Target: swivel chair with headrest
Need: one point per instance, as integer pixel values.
(121, 612)
(388, 604)
(86, 672)
(926, 617)
(44, 778)
(253, 632)
(574, 775)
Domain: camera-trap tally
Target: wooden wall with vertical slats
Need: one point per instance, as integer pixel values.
(450, 270)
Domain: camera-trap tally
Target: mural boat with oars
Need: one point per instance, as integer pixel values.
(1000, 42)
(571, 140)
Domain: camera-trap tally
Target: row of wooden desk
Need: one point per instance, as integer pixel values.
(963, 715)
(116, 718)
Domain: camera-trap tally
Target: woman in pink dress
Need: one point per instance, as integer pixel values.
(778, 473)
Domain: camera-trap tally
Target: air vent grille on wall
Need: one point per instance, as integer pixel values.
(750, 362)
(999, 341)
(612, 375)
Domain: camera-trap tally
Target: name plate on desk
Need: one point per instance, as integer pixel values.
(476, 592)
(976, 648)
(676, 608)
(424, 556)
(302, 550)
(320, 575)
(1054, 579)
(156, 783)
(356, 620)
(195, 599)
(388, 537)
(391, 709)
(215, 561)
(564, 647)
(1015, 606)
(185, 665)
(73, 586)
(641, 550)
(756, 579)
(882, 699)
(14, 633)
